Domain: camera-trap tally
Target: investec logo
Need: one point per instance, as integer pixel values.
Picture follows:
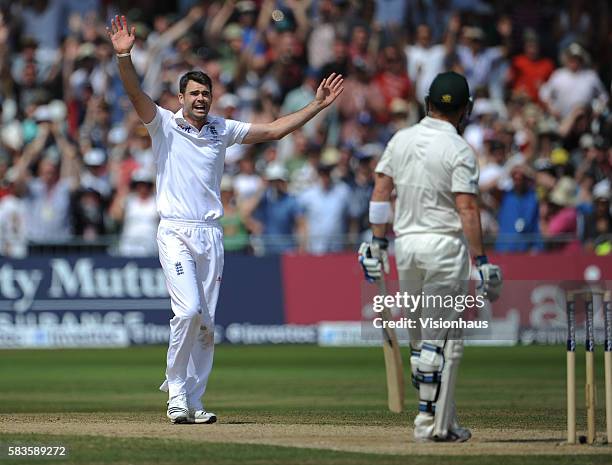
(80, 280)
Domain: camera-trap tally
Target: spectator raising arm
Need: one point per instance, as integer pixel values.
(182, 26)
(4, 49)
(70, 166)
(32, 151)
(220, 20)
(299, 9)
(329, 89)
(263, 20)
(123, 40)
(117, 208)
(151, 83)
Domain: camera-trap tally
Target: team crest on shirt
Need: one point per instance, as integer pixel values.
(179, 268)
(214, 134)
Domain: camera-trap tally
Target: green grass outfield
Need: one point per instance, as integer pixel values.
(499, 388)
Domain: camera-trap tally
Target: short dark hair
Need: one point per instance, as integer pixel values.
(197, 76)
(447, 110)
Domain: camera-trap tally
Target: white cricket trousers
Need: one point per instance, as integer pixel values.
(434, 264)
(191, 255)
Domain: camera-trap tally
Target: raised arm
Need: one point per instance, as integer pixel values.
(70, 167)
(452, 33)
(117, 208)
(220, 20)
(123, 38)
(330, 88)
(182, 26)
(5, 67)
(31, 152)
(299, 8)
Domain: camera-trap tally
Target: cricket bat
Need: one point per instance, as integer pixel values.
(393, 359)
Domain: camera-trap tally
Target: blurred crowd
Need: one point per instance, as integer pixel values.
(76, 165)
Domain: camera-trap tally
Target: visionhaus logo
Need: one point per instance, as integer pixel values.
(427, 311)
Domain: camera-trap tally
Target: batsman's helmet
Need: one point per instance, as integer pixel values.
(449, 92)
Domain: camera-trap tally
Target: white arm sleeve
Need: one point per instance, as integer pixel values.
(235, 131)
(465, 173)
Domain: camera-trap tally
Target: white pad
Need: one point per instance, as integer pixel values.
(431, 363)
(445, 405)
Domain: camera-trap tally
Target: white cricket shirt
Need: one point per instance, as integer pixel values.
(190, 163)
(429, 162)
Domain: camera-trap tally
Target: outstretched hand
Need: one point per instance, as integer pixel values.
(329, 89)
(121, 35)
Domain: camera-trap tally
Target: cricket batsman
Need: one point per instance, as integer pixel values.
(189, 148)
(437, 227)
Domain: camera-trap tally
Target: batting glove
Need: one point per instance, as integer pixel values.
(491, 280)
(374, 258)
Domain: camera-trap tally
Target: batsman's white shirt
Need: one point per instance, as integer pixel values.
(190, 163)
(190, 240)
(429, 162)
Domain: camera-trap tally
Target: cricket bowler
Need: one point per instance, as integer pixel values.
(189, 148)
(437, 226)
